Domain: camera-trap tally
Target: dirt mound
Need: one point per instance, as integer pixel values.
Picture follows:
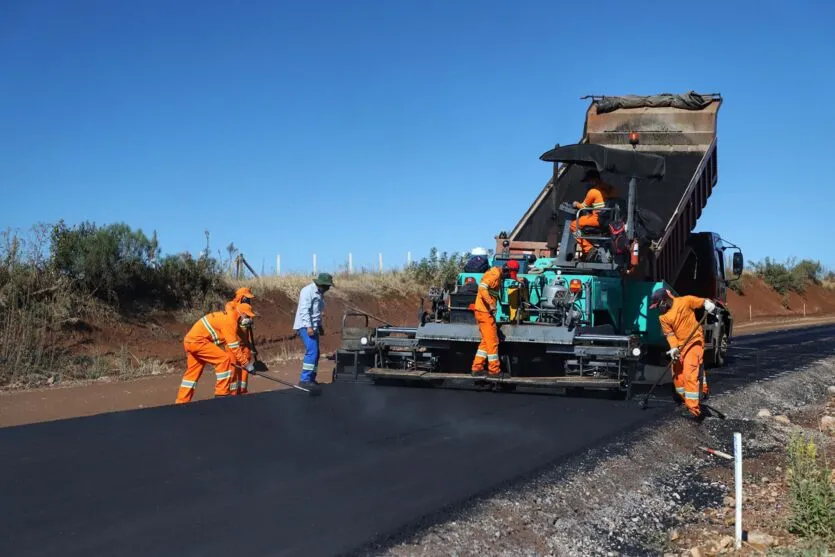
(760, 300)
(160, 336)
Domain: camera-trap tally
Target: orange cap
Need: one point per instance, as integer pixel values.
(246, 309)
(244, 292)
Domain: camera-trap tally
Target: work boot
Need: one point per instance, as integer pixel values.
(478, 373)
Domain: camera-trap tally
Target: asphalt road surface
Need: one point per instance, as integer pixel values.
(283, 474)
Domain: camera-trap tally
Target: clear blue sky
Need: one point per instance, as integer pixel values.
(329, 127)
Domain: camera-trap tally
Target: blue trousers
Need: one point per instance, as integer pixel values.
(310, 364)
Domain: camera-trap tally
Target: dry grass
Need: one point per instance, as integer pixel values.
(375, 284)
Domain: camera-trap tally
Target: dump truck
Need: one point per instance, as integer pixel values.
(577, 321)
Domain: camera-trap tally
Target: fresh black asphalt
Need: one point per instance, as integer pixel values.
(284, 474)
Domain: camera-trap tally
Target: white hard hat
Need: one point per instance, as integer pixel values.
(478, 251)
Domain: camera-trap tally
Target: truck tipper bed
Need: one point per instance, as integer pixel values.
(686, 137)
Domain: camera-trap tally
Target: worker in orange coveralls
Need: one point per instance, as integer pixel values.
(484, 310)
(596, 196)
(678, 322)
(240, 376)
(203, 345)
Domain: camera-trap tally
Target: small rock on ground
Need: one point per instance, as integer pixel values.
(725, 542)
(763, 413)
(828, 424)
(782, 419)
(760, 540)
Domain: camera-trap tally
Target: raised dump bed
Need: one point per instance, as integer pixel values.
(681, 128)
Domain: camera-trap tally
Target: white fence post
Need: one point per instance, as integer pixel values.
(408, 259)
(314, 263)
(350, 263)
(381, 262)
(278, 265)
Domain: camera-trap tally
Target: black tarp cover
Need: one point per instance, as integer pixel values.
(606, 159)
(688, 101)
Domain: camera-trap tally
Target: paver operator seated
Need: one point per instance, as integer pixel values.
(597, 194)
(484, 310)
(678, 323)
(206, 343)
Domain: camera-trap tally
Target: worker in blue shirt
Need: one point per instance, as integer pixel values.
(308, 324)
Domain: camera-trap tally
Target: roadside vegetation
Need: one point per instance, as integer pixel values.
(791, 276)
(56, 279)
(811, 493)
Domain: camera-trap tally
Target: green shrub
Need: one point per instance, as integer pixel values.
(811, 492)
(808, 271)
(790, 276)
(437, 270)
(121, 266)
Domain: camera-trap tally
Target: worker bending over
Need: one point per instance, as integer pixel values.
(485, 310)
(597, 194)
(240, 376)
(309, 324)
(204, 344)
(678, 323)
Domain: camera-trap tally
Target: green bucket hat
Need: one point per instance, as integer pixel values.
(324, 279)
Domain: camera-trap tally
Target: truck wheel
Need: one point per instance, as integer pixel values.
(721, 350)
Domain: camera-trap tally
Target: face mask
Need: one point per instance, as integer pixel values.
(246, 322)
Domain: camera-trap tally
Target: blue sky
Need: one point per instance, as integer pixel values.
(366, 127)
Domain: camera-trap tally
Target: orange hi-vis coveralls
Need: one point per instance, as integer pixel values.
(677, 324)
(240, 376)
(203, 346)
(596, 198)
(485, 303)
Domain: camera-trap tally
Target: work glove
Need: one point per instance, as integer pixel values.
(710, 307)
(250, 367)
(674, 353)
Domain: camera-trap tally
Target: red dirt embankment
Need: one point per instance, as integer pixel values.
(759, 303)
(160, 337)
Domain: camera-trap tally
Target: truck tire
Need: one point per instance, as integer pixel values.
(720, 351)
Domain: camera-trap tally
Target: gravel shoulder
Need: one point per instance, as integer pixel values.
(654, 492)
